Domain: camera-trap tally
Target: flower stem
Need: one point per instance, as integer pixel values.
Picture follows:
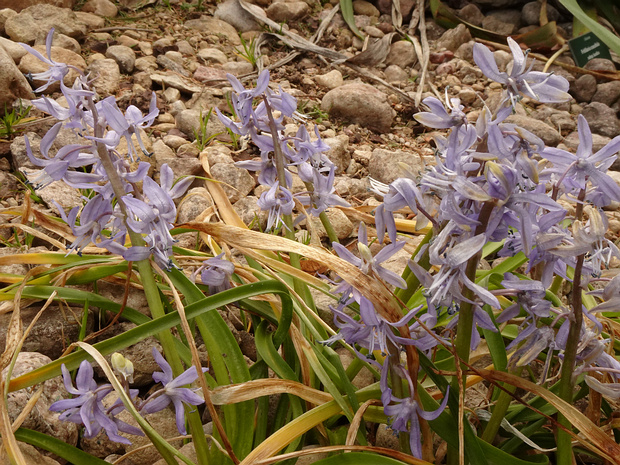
(499, 412)
(564, 455)
(410, 278)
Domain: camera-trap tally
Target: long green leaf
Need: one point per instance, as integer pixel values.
(611, 40)
(346, 7)
(358, 458)
(148, 328)
(60, 448)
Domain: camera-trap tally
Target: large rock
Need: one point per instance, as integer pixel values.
(401, 53)
(36, 21)
(31, 64)
(236, 182)
(101, 7)
(231, 12)
(107, 76)
(13, 84)
(384, 164)
(602, 119)
(214, 26)
(40, 418)
(51, 331)
(19, 5)
(15, 51)
(124, 56)
(284, 12)
(361, 104)
(548, 134)
(453, 38)
(584, 88)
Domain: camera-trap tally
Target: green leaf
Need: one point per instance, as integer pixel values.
(611, 40)
(145, 329)
(346, 8)
(60, 448)
(358, 458)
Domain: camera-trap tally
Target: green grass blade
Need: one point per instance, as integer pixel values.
(60, 448)
(346, 8)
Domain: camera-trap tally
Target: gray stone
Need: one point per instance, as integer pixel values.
(602, 119)
(218, 154)
(22, 4)
(238, 68)
(212, 55)
(31, 64)
(401, 53)
(189, 123)
(196, 201)
(101, 7)
(13, 84)
(362, 7)
(170, 64)
(339, 221)
(207, 74)
(64, 41)
(530, 14)
(174, 141)
(453, 38)
(231, 12)
(330, 80)
(52, 332)
(471, 13)
(250, 213)
(346, 187)
(146, 64)
(14, 50)
(176, 81)
(601, 64)
(107, 76)
(288, 11)
(171, 94)
(510, 16)
(40, 417)
(60, 192)
(91, 20)
(189, 150)
(214, 26)
(124, 56)
(387, 437)
(140, 354)
(361, 104)
(491, 23)
(32, 455)
(384, 164)
(5, 13)
(36, 21)
(236, 182)
(571, 143)
(547, 133)
(584, 88)
(607, 93)
(338, 152)
(395, 74)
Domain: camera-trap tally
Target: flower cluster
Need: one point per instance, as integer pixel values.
(118, 208)
(488, 186)
(87, 406)
(299, 154)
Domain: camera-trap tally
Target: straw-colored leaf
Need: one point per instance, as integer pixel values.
(237, 237)
(233, 393)
(594, 438)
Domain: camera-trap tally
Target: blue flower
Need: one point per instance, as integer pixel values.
(574, 172)
(87, 408)
(216, 273)
(56, 71)
(172, 392)
(544, 87)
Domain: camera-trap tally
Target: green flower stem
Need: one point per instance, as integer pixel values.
(466, 312)
(499, 412)
(151, 291)
(329, 229)
(564, 455)
(289, 231)
(410, 278)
